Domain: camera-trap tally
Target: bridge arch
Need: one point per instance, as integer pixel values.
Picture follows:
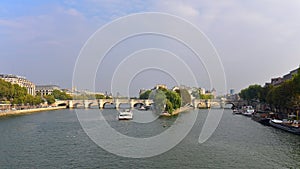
(233, 105)
(62, 104)
(91, 104)
(201, 105)
(138, 104)
(109, 105)
(76, 105)
(124, 105)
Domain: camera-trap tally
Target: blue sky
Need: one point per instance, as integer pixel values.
(256, 40)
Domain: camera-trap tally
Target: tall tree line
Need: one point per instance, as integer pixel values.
(283, 97)
(17, 95)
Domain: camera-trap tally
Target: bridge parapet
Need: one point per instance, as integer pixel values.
(196, 103)
(101, 102)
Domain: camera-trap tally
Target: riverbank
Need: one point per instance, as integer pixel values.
(29, 111)
(180, 110)
(177, 111)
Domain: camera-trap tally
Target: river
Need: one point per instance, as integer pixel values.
(55, 139)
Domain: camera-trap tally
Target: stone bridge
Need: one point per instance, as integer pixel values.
(100, 103)
(116, 103)
(214, 103)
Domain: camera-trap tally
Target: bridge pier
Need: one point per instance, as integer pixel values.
(204, 104)
(132, 103)
(70, 103)
(208, 104)
(117, 103)
(195, 103)
(100, 103)
(85, 104)
(222, 104)
(147, 102)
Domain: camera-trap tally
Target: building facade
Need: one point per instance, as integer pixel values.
(279, 80)
(21, 81)
(231, 91)
(290, 75)
(46, 89)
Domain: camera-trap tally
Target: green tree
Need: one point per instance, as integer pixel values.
(37, 100)
(29, 99)
(18, 101)
(253, 92)
(196, 93)
(100, 96)
(169, 107)
(60, 95)
(174, 98)
(159, 99)
(50, 99)
(145, 95)
(185, 96)
(165, 100)
(10, 91)
(16, 94)
(206, 96)
(264, 93)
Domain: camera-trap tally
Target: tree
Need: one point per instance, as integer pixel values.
(206, 96)
(100, 96)
(264, 93)
(10, 91)
(169, 107)
(159, 99)
(165, 100)
(285, 96)
(37, 100)
(16, 94)
(50, 99)
(81, 97)
(145, 95)
(61, 95)
(196, 93)
(29, 99)
(18, 101)
(253, 92)
(185, 96)
(174, 98)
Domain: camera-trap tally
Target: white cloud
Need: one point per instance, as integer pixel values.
(179, 8)
(41, 42)
(261, 34)
(73, 12)
(252, 32)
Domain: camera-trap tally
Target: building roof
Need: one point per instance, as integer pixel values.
(42, 87)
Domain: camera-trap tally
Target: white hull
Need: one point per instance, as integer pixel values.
(126, 115)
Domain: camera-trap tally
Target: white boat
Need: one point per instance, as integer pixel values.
(290, 126)
(125, 115)
(248, 110)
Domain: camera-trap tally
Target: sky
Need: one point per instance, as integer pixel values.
(256, 40)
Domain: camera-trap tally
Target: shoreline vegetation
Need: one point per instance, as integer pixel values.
(176, 112)
(180, 110)
(29, 111)
(281, 97)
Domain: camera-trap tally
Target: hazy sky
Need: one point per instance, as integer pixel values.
(256, 40)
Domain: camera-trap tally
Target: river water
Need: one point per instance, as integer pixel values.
(55, 139)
